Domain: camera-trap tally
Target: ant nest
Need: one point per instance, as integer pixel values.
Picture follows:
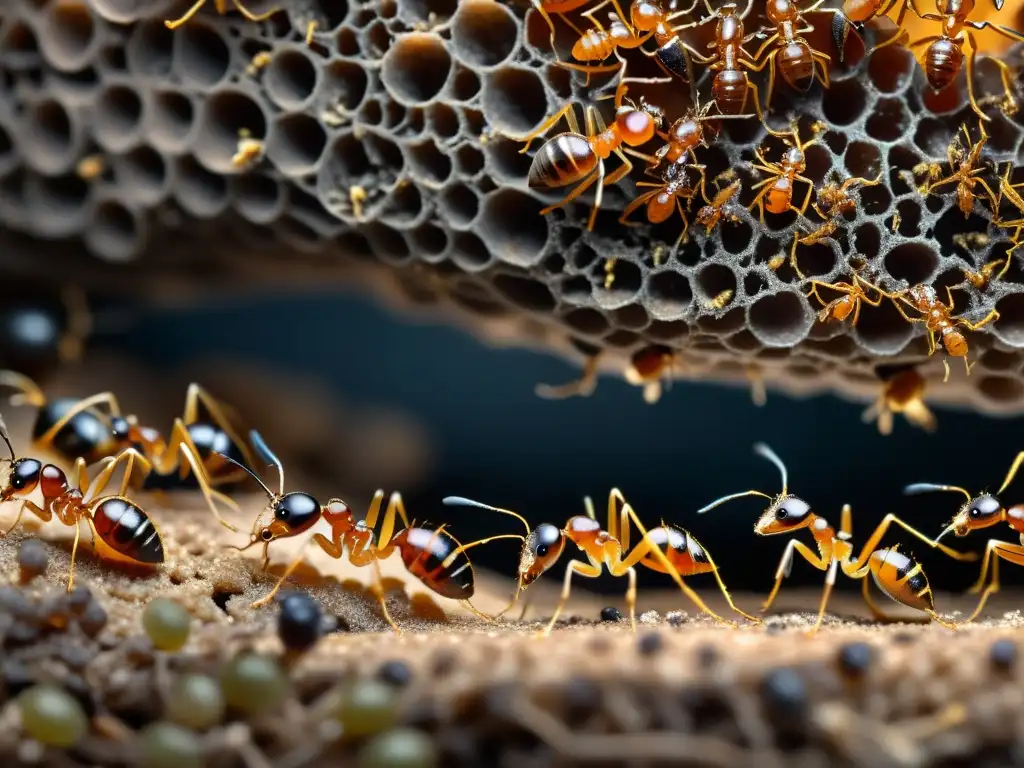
(381, 140)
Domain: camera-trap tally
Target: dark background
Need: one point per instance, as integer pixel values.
(496, 441)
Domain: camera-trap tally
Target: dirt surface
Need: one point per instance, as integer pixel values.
(683, 690)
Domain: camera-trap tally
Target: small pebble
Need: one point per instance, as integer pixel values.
(254, 684)
(904, 638)
(299, 621)
(20, 634)
(649, 644)
(707, 656)
(79, 599)
(51, 716)
(167, 623)
(77, 686)
(444, 663)
(611, 614)
(166, 745)
(367, 707)
(1003, 654)
(396, 673)
(17, 677)
(784, 693)
(400, 748)
(196, 701)
(55, 611)
(855, 659)
(138, 650)
(32, 560)
(93, 619)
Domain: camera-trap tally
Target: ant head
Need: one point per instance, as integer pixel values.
(293, 514)
(637, 124)
(977, 512)
(541, 550)
(786, 514)
(18, 477)
(121, 429)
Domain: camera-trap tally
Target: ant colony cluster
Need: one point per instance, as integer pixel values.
(206, 452)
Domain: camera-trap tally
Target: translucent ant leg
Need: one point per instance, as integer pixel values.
(872, 542)
(74, 554)
(188, 15)
(196, 396)
(821, 71)
(129, 456)
(786, 566)
(28, 391)
(85, 404)
(991, 316)
(43, 514)
(1011, 553)
(550, 123)
(986, 562)
(254, 16)
(582, 387)
(588, 570)
(830, 582)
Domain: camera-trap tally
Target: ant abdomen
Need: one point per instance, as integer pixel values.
(683, 551)
(562, 160)
(87, 434)
(729, 90)
(943, 62)
(127, 530)
(427, 553)
(797, 65)
(902, 578)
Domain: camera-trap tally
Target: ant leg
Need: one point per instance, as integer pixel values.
(551, 25)
(764, 46)
(821, 71)
(129, 456)
(550, 123)
(972, 43)
(771, 79)
(1012, 553)
(1012, 472)
(807, 198)
(830, 581)
(985, 564)
(254, 16)
(801, 275)
(188, 15)
(72, 341)
(588, 570)
(638, 202)
(28, 391)
(180, 442)
(583, 186)
(751, 87)
(686, 225)
(204, 486)
(992, 315)
(196, 396)
(786, 565)
(81, 474)
(387, 527)
(74, 553)
(108, 398)
(43, 514)
(582, 387)
(872, 543)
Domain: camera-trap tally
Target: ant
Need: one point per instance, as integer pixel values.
(896, 574)
(721, 207)
(647, 16)
(574, 157)
(222, 9)
(38, 332)
(983, 511)
(984, 276)
(902, 392)
(431, 554)
(74, 429)
(778, 187)
(938, 318)
(649, 368)
(731, 85)
(597, 43)
(665, 549)
(945, 53)
(547, 8)
(833, 201)
(1015, 198)
(667, 197)
(797, 60)
(964, 164)
(121, 530)
(853, 294)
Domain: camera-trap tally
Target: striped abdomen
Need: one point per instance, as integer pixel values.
(943, 61)
(797, 65)
(427, 554)
(594, 45)
(682, 550)
(729, 90)
(564, 159)
(127, 530)
(902, 579)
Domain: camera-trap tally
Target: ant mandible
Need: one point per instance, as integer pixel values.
(902, 391)
(431, 554)
(895, 573)
(578, 158)
(665, 549)
(121, 530)
(222, 9)
(74, 429)
(938, 318)
(983, 511)
(778, 187)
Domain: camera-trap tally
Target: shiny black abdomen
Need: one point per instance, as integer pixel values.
(128, 530)
(87, 435)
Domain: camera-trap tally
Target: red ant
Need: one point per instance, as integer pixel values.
(895, 573)
(778, 188)
(902, 392)
(93, 429)
(983, 511)
(667, 196)
(121, 530)
(431, 554)
(574, 157)
(666, 549)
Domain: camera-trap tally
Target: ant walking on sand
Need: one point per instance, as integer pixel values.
(898, 575)
(665, 549)
(431, 554)
(121, 530)
(93, 428)
(983, 511)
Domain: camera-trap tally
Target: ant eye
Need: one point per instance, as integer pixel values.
(281, 512)
(781, 513)
(542, 550)
(975, 512)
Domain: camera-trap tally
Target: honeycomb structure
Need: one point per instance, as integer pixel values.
(388, 148)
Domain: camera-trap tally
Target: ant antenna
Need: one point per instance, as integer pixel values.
(3, 434)
(730, 497)
(268, 456)
(762, 450)
(917, 488)
(251, 474)
(460, 501)
(1013, 471)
